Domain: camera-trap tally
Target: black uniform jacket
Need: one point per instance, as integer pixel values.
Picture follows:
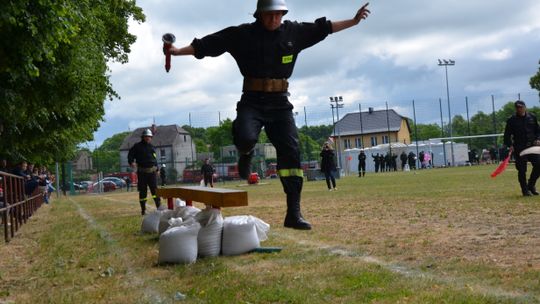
(260, 53)
(521, 131)
(144, 155)
(327, 162)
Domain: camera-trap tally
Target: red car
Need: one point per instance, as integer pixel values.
(107, 186)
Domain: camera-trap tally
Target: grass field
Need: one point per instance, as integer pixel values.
(436, 236)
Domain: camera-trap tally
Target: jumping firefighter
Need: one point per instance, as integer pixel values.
(144, 155)
(265, 52)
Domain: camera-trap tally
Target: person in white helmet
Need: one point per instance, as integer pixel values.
(144, 155)
(265, 52)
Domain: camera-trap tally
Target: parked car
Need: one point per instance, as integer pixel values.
(107, 186)
(120, 183)
(86, 184)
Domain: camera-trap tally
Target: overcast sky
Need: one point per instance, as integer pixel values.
(390, 57)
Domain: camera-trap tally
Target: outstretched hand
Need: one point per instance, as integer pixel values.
(362, 13)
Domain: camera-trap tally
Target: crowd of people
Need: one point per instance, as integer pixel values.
(36, 178)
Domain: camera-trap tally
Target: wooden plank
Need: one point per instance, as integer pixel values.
(217, 197)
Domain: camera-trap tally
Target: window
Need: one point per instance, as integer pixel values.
(347, 143)
(358, 142)
(185, 138)
(373, 141)
(385, 139)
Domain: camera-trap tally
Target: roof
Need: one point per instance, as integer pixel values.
(374, 122)
(163, 136)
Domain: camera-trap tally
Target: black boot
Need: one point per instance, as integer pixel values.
(532, 188)
(244, 165)
(143, 207)
(294, 219)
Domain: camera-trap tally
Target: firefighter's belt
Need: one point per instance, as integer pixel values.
(268, 85)
(147, 170)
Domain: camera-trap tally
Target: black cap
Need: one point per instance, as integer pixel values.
(519, 103)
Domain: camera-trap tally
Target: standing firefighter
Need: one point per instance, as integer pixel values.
(265, 52)
(207, 172)
(144, 155)
(520, 133)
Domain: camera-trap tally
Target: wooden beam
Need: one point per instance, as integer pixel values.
(217, 197)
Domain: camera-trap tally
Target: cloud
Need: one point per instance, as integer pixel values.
(497, 55)
(390, 57)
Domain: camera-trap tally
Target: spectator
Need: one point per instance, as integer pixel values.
(328, 166)
(163, 175)
(4, 165)
(412, 160)
(376, 161)
(128, 183)
(403, 158)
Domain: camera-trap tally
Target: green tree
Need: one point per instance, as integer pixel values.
(220, 136)
(319, 134)
(426, 131)
(535, 81)
(107, 156)
(53, 72)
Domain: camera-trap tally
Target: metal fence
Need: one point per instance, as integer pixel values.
(424, 110)
(16, 207)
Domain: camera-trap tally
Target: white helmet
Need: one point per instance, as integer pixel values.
(270, 5)
(147, 132)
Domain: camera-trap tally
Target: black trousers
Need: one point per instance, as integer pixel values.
(521, 166)
(330, 179)
(208, 179)
(275, 115)
(279, 126)
(145, 181)
(361, 168)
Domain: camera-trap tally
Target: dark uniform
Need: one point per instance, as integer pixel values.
(144, 155)
(207, 172)
(403, 158)
(266, 60)
(521, 132)
(328, 166)
(361, 164)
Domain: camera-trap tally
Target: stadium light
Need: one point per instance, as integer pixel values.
(446, 63)
(338, 104)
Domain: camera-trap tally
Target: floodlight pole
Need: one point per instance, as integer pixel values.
(446, 63)
(338, 104)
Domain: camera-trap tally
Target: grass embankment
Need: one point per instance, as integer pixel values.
(437, 236)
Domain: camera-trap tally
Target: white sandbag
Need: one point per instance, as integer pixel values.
(262, 228)
(179, 244)
(241, 234)
(186, 212)
(175, 222)
(150, 223)
(164, 220)
(209, 239)
(179, 203)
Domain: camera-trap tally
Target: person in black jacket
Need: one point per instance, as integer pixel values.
(403, 158)
(207, 172)
(328, 166)
(144, 155)
(376, 162)
(163, 175)
(522, 132)
(361, 163)
(266, 51)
